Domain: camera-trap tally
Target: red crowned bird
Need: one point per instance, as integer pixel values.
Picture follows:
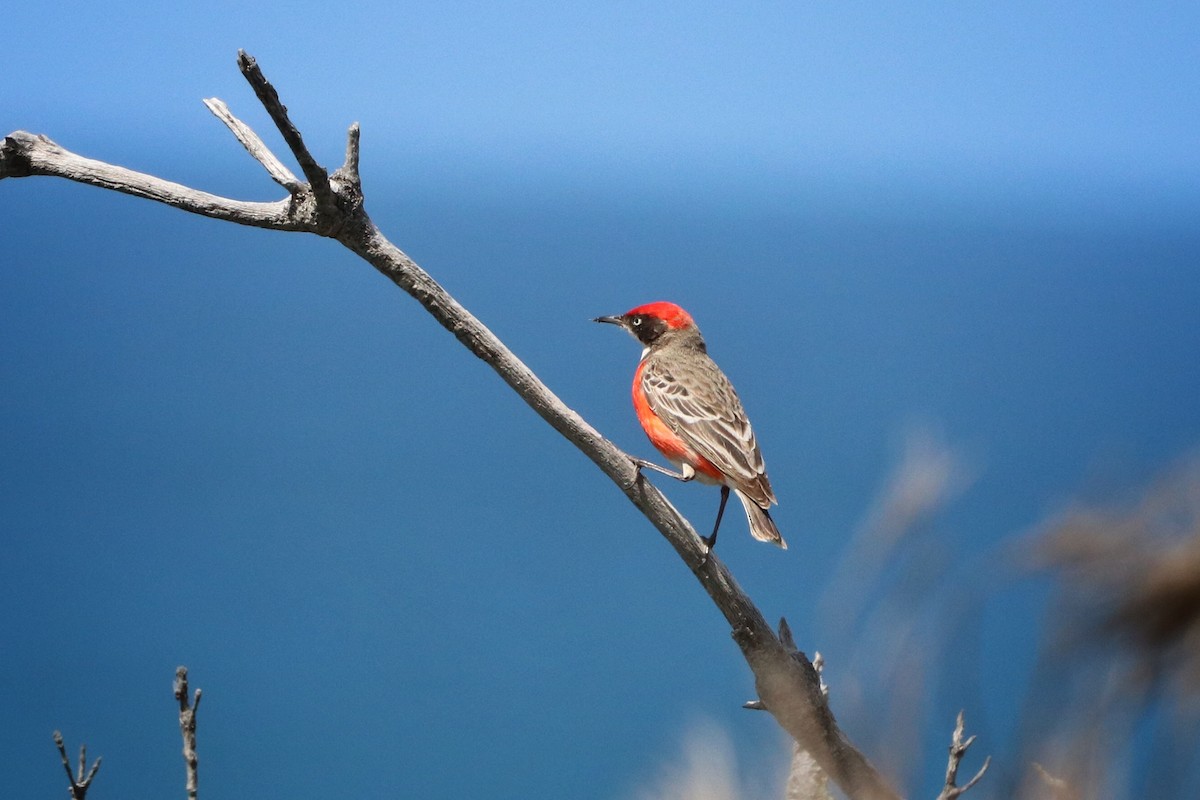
(693, 416)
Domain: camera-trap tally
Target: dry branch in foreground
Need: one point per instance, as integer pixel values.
(81, 781)
(187, 729)
(1114, 709)
(331, 205)
(958, 749)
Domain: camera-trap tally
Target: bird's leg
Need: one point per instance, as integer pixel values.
(711, 541)
(685, 475)
(688, 473)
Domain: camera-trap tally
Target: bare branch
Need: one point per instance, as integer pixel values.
(958, 749)
(318, 178)
(789, 643)
(806, 779)
(350, 167)
(187, 728)
(23, 154)
(787, 684)
(254, 145)
(79, 783)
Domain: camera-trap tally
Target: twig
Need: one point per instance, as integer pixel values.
(318, 178)
(254, 145)
(187, 728)
(81, 781)
(818, 663)
(958, 748)
(349, 168)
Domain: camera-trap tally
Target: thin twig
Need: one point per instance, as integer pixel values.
(318, 178)
(958, 748)
(818, 662)
(187, 728)
(350, 167)
(254, 145)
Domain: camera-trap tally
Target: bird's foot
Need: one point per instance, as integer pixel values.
(709, 543)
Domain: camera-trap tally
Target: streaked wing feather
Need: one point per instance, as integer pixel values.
(704, 411)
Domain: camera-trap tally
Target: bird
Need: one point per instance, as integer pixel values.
(691, 413)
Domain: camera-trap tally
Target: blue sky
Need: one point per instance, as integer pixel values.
(246, 452)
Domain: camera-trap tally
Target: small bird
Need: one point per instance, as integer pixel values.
(693, 416)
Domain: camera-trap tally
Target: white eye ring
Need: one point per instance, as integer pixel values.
(636, 321)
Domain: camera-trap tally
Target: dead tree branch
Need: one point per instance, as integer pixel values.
(806, 779)
(187, 729)
(958, 749)
(331, 205)
(82, 780)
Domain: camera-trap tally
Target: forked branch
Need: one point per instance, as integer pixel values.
(958, 749)
(187, 729)
(80, 781)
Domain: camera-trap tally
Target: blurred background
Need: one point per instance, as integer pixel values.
(948, 254)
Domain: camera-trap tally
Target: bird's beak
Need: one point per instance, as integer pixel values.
(612, 320)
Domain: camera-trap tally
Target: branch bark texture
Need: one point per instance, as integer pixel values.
(331, 205)
(187, 730)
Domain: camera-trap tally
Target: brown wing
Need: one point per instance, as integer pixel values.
(696, 401)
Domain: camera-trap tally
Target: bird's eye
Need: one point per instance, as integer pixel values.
(636, 322)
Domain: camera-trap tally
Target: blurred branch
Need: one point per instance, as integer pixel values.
(187, 728)
(80, 781)
(332, 206)
(806, 780)
(928, 476)
(1134, 575)
(1059, 788)
(890, 606)
(958, 749)
(1122, 664)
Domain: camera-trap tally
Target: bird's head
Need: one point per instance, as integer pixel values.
(651, 322)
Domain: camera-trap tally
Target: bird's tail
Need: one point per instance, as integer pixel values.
(762, 527)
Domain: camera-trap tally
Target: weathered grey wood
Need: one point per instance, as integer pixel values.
(24, 154)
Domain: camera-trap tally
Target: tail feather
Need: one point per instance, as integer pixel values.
(762, 527)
